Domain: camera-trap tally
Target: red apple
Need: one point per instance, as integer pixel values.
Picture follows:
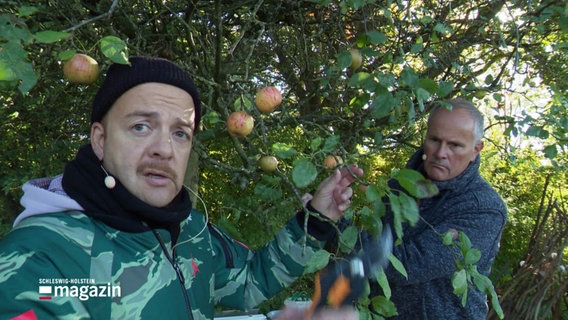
(240, 123)
(268, 99)
(268, 163)
(356, 58)
(81, 69)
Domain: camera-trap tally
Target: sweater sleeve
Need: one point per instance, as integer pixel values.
(255, 276)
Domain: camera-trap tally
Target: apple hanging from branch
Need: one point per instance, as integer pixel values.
(331, 162)
(268, 163)
(240, 123)
(356, 59)
(268, 99)
(81, 69)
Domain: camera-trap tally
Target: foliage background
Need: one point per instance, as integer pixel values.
(509, 57)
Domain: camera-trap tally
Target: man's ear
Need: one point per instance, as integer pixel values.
(98, 139)
(477, 148)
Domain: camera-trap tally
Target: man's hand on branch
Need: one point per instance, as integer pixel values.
(333, 195)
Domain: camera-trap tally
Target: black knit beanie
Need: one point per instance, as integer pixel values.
(122, 77)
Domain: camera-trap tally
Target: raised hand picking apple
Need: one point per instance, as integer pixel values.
(268, 99)
(240, 123)
(81, 69)
(333, 195)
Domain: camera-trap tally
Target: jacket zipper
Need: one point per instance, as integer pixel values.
(179, 273)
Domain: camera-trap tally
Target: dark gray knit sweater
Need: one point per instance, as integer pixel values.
(466, 203)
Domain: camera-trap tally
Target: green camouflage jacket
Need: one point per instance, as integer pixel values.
(68, 266)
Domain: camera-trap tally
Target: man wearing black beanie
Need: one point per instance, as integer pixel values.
(115, 236)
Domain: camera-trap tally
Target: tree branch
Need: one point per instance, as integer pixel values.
(99, 17)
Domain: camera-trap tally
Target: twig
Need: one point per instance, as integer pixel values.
(99, 17)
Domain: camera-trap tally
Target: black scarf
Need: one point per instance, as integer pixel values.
(83, 180)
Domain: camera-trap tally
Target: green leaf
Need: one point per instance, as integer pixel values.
(537, 131)
(409, 209)
(360, 101)
(429, 85)
(382, 105)
(472, 256)
(447, 238)
(11, 32)
(498, 97)
(376, 37)
(344, 59)
(315, 143)
(495, 301)
(415, 183)
(115, 49)
(379, 209)
(395, 206)
(66, 54)
(378, 138)
(320, 2)
(28, 77)
(317, 261)
(283, 150)
(482, 283)
(434, 37)
(383, 282)
(361, 41)
(8, 85)
(443, 29)
(331, 143)
(50, 36)
(374, 193)
(397, 265)
(465, 243)
(26, 11)
(362, 80)
(242, 103)
(550, 151)
(384, 306)
(370, 220)
(304, 173)
(386, 80)
(409, 77)
(14, 57)
(416, 47)
(357, 4)
(445, 88)
(410, 111)
(421, 96)
(6, 73)
(348, 238)
(459, 283)
(212, 117)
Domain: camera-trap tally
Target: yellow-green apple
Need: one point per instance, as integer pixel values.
(356, 59)
(268, 163)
